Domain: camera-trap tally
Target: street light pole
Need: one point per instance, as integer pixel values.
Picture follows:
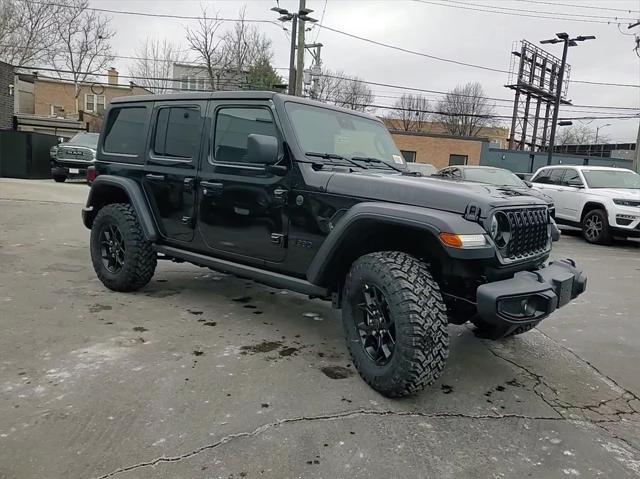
(303, 16)
(568, 42)
(598, 131)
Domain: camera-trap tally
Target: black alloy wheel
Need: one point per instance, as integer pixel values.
(112, 248)
(376, 326)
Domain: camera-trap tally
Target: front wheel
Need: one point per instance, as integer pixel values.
(395, 323)
(122, 258)
(595, 227)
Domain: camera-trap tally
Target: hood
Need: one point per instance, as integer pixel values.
(526, 190)
(445, 195)
(623, 193)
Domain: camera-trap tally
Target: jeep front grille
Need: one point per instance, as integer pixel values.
(529, 233)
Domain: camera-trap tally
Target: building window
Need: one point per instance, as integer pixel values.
(458, 160)
(94, 103)
(409, 156)
(184, 82)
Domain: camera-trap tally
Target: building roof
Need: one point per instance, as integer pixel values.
(439, 135)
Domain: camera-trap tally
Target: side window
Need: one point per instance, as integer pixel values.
(456, 173)
(177, 132)
(555, 176)
(542, 177)
(571, 178)
(125, 131)
(233, 126)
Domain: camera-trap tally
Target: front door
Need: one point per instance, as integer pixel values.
(241, 204)
(171, 162)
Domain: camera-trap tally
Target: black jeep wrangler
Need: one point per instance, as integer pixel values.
(316, 199)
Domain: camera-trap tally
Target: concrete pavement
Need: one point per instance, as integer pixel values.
(203, 375)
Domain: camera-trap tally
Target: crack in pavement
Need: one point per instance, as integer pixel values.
(325, 417)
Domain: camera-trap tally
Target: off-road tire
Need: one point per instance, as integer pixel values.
(491, 331)
(139, 258)
(604, 237)
(59, 179)
(419, 313)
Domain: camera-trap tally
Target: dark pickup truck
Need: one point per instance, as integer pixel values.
(316, 199)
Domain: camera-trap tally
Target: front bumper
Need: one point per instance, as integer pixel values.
(530, 296)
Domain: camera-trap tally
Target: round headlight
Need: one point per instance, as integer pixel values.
(493, 228)
(502, 228)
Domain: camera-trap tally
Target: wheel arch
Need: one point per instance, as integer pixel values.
(109, 189)
(371, 227)
(590, 206)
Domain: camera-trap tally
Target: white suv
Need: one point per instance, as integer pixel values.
(603, 201)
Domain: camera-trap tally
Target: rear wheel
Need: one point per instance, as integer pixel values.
(395, 323)
(59, 179)
(121, 257)
(595, 227)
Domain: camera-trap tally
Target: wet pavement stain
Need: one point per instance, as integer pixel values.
(194, 312)
(209, 323)
(140, 329)
(336, 372)
(287, 351)
(250, 306)
(96, 308)
(446, 389)
(242, 299)
(197, 352)
(257, 312)
(263, 347)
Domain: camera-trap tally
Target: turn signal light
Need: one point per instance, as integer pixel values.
(92, 174)
(463, 241)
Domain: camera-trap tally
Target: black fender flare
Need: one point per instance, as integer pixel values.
(104, 185)
(360, 215)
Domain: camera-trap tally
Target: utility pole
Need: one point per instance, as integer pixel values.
(300, 60)
(301, 16)
(568, 42)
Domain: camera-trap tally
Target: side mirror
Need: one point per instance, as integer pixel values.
(575, 184)
(262, 149)
(529, 184)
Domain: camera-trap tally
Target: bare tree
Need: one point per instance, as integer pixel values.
(203, 40)
(154, 64)
(344, 91)
(244, 45)
(465, 110)
(27, 30)
(579, 135)
(83, 44)
(410, 112)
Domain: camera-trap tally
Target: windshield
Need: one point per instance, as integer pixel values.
(90, 140)
(323, 130)
(496, 177)
(612, 179)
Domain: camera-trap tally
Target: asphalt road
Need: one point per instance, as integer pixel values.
(203, 375)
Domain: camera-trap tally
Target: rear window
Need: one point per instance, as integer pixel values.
(125, 131)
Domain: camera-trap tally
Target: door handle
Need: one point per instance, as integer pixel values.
(211, 189)
(154, 177)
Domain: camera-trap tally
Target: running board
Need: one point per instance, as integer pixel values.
(269, 278)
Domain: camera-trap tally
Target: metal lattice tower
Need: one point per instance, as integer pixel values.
(533, 75)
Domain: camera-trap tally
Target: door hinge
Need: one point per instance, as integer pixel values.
(279, 239)
(280, 195)
(186, 220)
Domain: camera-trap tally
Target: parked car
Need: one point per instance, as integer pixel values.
(425, 169)
(317, 199)
(602, 201)
(74, 157)
(497, 177)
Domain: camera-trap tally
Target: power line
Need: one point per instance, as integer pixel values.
(571, 5)
(335, 30)
(324, 9)
(470, 6)
(538, 12)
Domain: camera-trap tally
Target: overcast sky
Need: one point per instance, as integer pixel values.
(453, 31)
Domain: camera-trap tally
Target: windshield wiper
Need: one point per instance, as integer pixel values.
(371, 159)
(333, 156)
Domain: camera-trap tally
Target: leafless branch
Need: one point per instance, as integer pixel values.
(466, 110)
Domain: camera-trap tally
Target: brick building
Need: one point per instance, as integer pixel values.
(440, 150)
(49, 105)
(6, 96)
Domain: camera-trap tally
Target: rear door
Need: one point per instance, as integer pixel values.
(171, 162)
